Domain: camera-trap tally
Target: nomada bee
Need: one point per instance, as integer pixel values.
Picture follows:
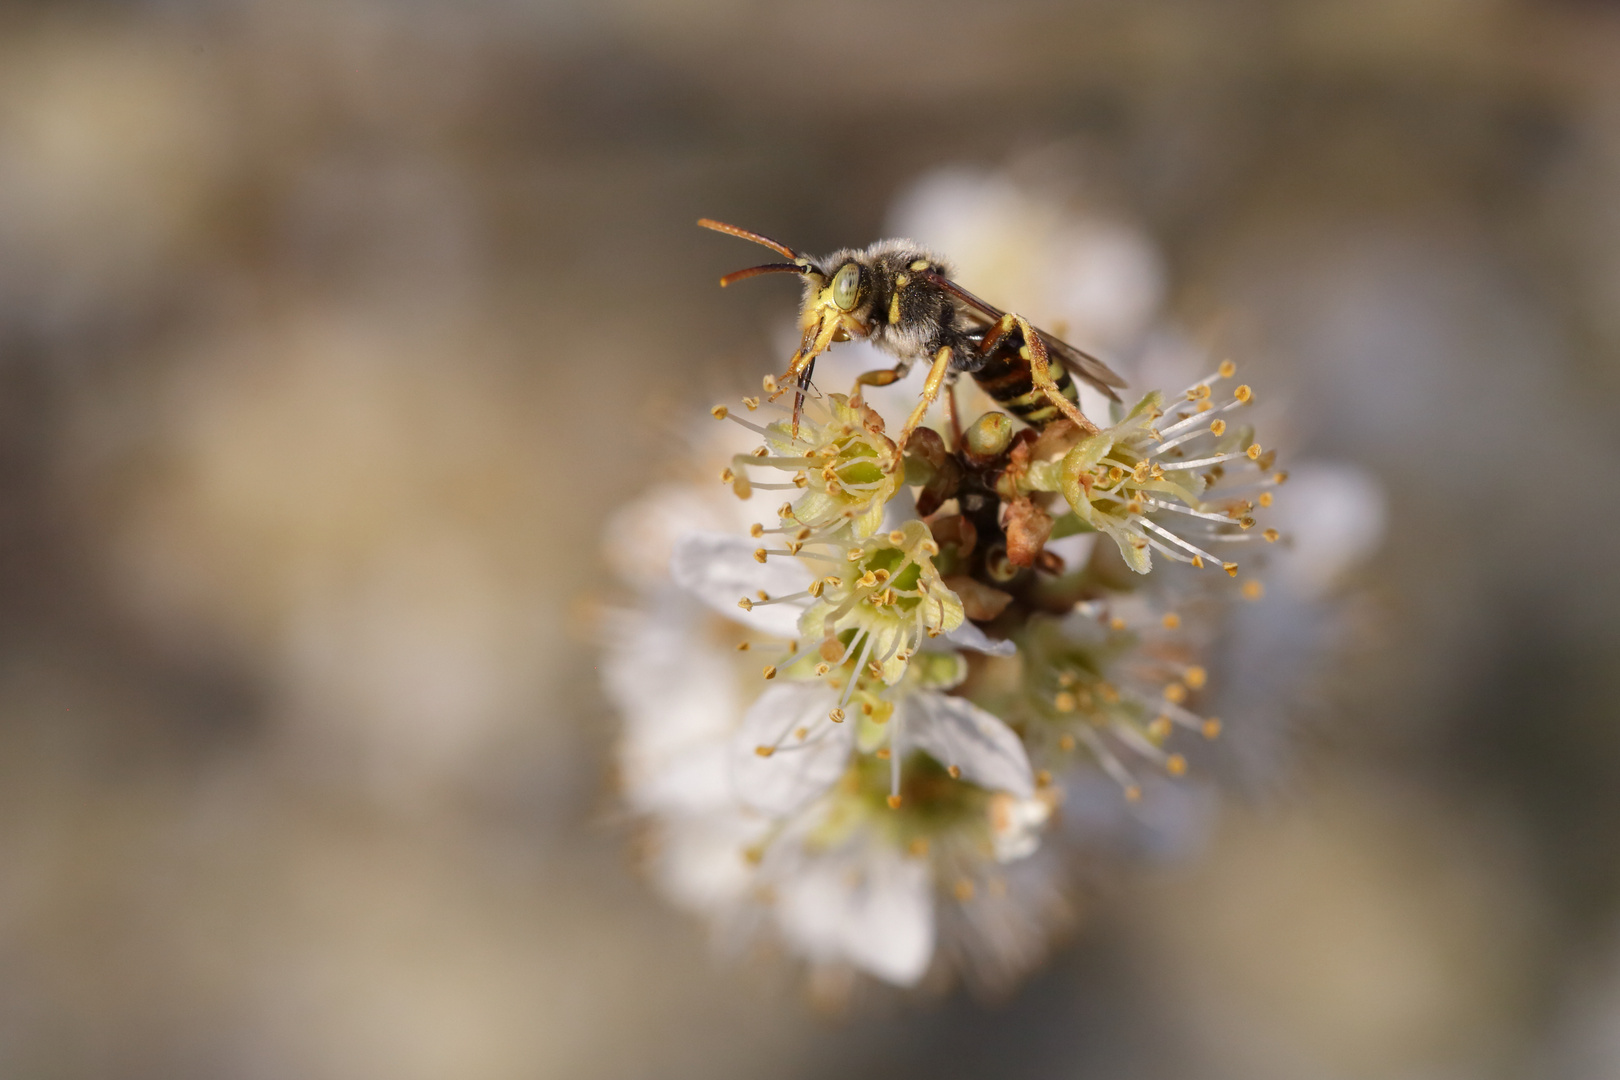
(901, 298)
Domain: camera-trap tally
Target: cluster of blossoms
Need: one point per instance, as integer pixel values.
(851, 725)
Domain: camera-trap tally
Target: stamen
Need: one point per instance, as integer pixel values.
(1173, 538)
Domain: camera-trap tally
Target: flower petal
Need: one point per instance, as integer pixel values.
(954, 731)
(875, 911)
(720, 569)
(797, 771)
(969, 636)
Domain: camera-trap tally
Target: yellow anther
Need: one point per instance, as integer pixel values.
(1230, 568)
(1198, 562)
(1253, 590)
(746, 604)
(770, 671)
(963, 889)
(1264, 499)
(751, 402)
(719, 412)
(1203, 390)
(769, 384)
(801, 734)
(918, 846)
(1171, 621)
(1204, 406)
(897, 538)
(1063, 702)
(764, 751)
(1115, 474)
(1217, 427)
(1066, 742)
(742, 646)
(955, 771)
(727, 476)
(1109, 694)
(1279, 478)
(866, 708)
(760, 451)
(1175, 693)
(1245, 523)
(1160, 728)
(756, 530)
(853, 555)
(1116, 623)
(822, 669)
(1227, 369)
(785, 510)
(816, 588)
(1212, 727)
(759, 555)
(1253, 451)
(894, 802)
(868, 580)
(836, 716)
(882, 753)
(1175, 765)
(1195, 677)
(1271, 535)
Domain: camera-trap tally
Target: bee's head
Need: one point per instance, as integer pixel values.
(836, 299)
(837, 290)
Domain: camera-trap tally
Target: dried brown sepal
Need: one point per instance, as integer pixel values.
(956, 531)
(1010, 484)
(1028, 526)
(1055, 440)
(980, 602)
(943, 471)
(1050, 562)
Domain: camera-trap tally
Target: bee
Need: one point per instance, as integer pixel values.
(901, 298)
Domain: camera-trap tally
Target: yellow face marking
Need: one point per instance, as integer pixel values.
(894, 308)
(902, 281)
(920, 264)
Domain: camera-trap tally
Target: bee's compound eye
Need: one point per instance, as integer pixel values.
(846, 283)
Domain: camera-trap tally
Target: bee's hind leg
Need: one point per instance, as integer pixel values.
(1034, 350)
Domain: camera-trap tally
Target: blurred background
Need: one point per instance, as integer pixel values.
(331, 331)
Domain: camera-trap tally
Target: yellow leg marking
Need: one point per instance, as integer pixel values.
(801, 360)
(1041, 376)
(812, 345)
(881, 377)
(936, 378)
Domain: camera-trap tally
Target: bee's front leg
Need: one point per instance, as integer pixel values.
(936, 378)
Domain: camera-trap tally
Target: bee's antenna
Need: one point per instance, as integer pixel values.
(732, 230)
(768, 268)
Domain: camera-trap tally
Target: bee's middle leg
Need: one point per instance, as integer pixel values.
(936, 378)
(880, 377)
